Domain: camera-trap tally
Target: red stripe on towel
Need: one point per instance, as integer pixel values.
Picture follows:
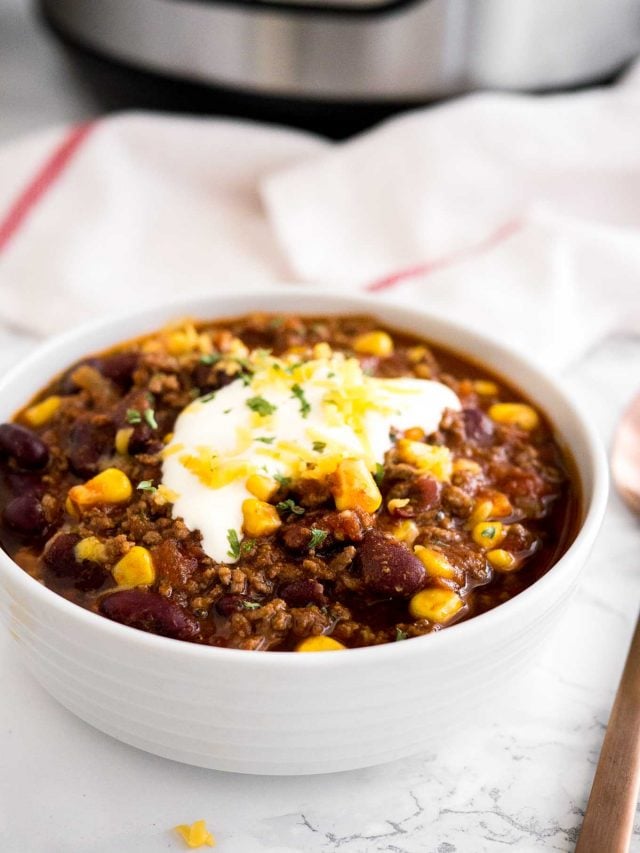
(503, 233)
(47, 175)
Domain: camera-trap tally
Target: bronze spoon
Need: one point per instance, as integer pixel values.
(608, 820)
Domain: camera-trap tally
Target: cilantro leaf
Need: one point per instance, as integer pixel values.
(401, 635)
(251, 605)
(379, 474)
(317, 537)
(207, 397)
(234, 543)
(290, 506)
(150, 417)
(261, 406)
(305, 408)
(133, 416)
(146, 486)
(210, 358)
(266, 439)
(280, 478)
(319, 446)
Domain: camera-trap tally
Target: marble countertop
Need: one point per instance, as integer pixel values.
(522, 782)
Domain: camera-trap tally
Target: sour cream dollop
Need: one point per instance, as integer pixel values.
(284, 418)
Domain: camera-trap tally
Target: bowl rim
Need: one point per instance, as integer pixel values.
(337, 303)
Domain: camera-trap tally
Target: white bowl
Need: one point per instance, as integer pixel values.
(287, 713)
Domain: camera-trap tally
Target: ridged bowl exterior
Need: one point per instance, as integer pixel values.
(286, 713)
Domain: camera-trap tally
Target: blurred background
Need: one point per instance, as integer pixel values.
(332, 66)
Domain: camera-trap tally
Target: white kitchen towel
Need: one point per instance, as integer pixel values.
(519, 215)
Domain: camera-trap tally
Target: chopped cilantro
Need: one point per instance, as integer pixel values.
(319, 446)
(150, 417)
(146, 486)
(317, 537)
(251, 605)
(290, 506)
(276, 322)
(305, 408)
(234, 543)
(134, 416)
(208, 397)
(261, 406)
(194, 393)
(379, 474)
(226, 411)
(246, 546)
(266, 439)
(401, 635)
(331, 375)
(280, 478)
(488, 532)
(210, 358)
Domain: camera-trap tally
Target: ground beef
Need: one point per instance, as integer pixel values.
(358, 577)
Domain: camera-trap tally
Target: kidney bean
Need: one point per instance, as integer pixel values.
(66, 384)
(118, 367)
(88, 441)
(424, 493)
(25, 514)
(59, 555)
(90, 576)
(150, 611)
(144, 440)
(388, 567)
(208, 378)
(25, 448)
(23, 482)
(228, 604)
(60, 558)
(303, 592)
(478, 426)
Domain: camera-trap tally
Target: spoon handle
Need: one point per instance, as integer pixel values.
(608, 820)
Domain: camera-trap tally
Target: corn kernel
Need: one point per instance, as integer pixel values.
(433, 459)
(501, 506)
(374, 343)
(436, 605)
(122, 440)
(353, 487)
(39, 414)
(135, 568)
(111, 486)
(415, 434)
(397, 503)
(481, 511)
(259, 518)
(515, 414)
(501, 560)
(405, 531)
(436, 564)
(168, 438)
(92, 549)
(69, 508)
(183, 341)
(488, 534)
(466, 465)
(322, 350)
(261, 487)
(416, 354)
(196, 834)
(485, 388)
(320, 643)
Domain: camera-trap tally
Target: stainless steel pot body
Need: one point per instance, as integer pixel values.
(362, 50)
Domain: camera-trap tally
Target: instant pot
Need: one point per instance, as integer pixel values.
(361, 50)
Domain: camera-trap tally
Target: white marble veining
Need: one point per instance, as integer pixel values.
(519, 779)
